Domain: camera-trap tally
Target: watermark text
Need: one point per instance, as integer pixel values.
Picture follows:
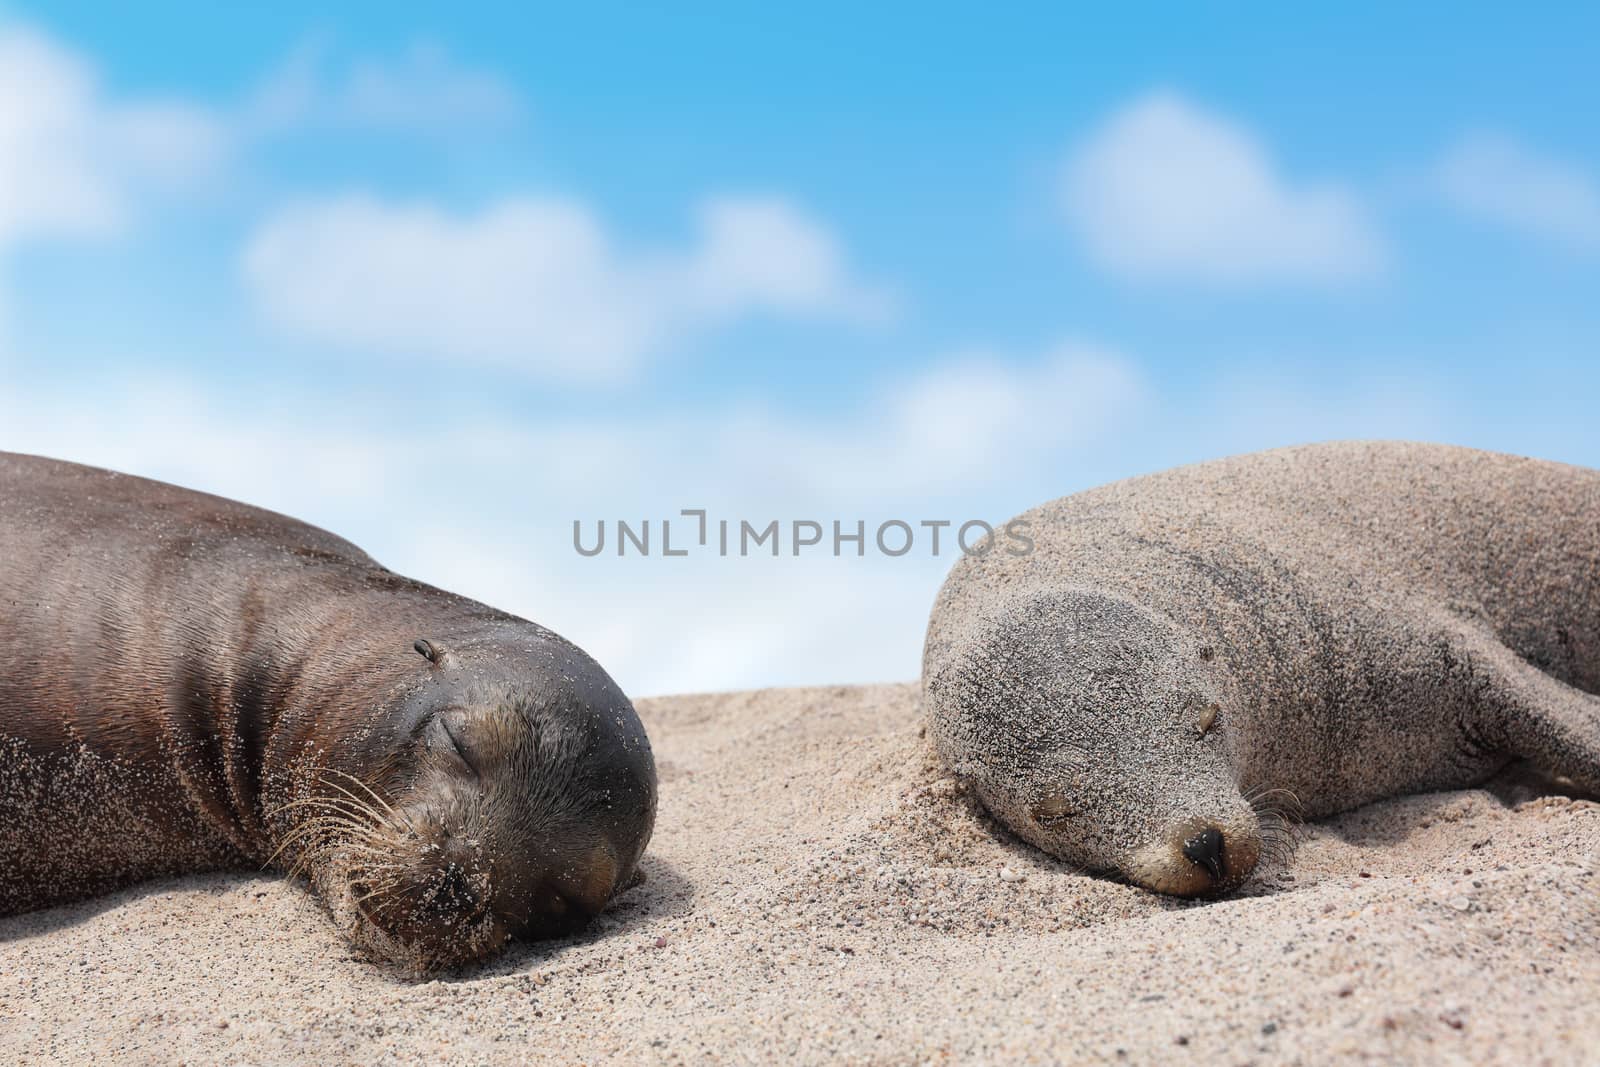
(694, 532)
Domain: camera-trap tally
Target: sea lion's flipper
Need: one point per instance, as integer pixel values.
(1538, 716)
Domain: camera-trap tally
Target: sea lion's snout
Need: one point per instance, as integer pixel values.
(429, 895)
(1197, 857)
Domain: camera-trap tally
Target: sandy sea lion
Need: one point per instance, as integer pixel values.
(1188, 656)
(193, 684)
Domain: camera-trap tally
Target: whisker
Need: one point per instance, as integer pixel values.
(315, 829)
(393, 812)
(1279, 820)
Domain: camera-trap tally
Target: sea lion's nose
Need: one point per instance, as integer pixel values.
(452, 895)
(1205, 850)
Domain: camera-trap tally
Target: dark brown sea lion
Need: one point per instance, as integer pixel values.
(1190, 656)
(192, 684)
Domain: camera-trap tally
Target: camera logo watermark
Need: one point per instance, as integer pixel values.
(698, 534)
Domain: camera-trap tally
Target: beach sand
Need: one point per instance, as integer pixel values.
(818, 889)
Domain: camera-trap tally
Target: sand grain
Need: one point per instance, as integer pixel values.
(818, 889)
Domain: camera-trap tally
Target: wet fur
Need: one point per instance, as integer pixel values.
(194, 684)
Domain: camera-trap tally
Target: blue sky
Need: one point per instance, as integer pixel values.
(444, 280)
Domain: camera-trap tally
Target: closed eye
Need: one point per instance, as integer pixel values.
(459, 749)
(1052, 810)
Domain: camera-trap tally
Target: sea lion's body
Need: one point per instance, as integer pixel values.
(180, 670)
(1368, 618)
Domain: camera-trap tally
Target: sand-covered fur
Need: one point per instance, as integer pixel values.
(1189, 658)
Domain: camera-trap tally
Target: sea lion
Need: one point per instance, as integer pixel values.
(194, 684)
(1189, 657)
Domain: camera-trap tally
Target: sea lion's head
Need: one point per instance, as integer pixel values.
(1099, 732)
(516, 794)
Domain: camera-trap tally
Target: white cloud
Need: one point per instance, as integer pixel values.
(423, 88)
(975, 419)
(76, 161)
(484, 506)
(972, 415)
(476, 503)
(1166, 189)
(1493, 177)
(76, 164)
(73, 162)
(536, 283)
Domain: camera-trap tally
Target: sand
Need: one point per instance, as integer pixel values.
(818, 889)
